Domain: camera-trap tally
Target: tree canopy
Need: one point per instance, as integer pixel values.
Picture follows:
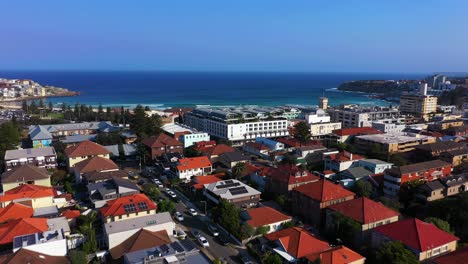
(144, 125)
(302, 132)
(394, 252)
(362, 188)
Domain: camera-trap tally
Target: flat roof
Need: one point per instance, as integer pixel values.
(29, 153)
(394, 138)
(137, 223)
(173, 128)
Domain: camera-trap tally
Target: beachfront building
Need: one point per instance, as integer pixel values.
(359, 116)
(44, 157)
(391, 143)
(185, 134)
(240, 124)
(419, 105)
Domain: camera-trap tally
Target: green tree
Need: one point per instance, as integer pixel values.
(85, 225)
(302, 132)
(281, 200)
(238, 170)
(397, 160)
(77, 257)
(362, 188)
(59, 176)
(289, 159)
(344, 228)
(441, 224)
(287, 225)
(166, 206)
(152, 191)
(262, 230)
(390, 203)
(378, 152)
(394, 252)
(191, 152)
(51, 106)
(273, 259)
(227, 215)
(246, 231)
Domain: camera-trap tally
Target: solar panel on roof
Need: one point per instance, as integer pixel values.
(229, 185)
(187, 244)
(238, 190)
(229, 181)
(164, 248)
(129, 208)
(177, 247)
(143, 206)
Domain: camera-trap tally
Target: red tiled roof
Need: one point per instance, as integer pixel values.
(193, 163)
(116, 207)
(294, 143)
(265, 216)
(216, 150)
(458, 256)
(364, 210)
(356, 131)
(416, 234)
(70, 214)
(344, 156)
(258, 146)
(95, 164)
(15, 211)
(199, 181)
(28, 256)
(143, 239)
(323, 190)
(161, 140)
(326, 172)
(200, 144)
(291, 174)
(21, 227)
(337, 255)
(86, 148)
(298, 242)
(27, 191)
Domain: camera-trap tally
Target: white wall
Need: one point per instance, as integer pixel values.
(53, 248)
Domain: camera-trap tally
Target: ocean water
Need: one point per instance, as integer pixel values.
(166, 89)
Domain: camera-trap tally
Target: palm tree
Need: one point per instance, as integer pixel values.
(238, 170)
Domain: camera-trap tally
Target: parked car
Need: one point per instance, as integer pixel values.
(179, 216)
(172, 194)
(167, 190)
(195, 233)
(245, 258)
(223, 240)
(214, 230)
(203, 242)
(192, 212)
(179, 233)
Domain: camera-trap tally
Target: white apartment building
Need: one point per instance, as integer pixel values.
(388, 127)
(238, 125)
(321, 129)
(319, 116)
(358, 116)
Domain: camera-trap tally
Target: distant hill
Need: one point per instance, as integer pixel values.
(377, 86)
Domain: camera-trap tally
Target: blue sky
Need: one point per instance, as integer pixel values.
(241, 35)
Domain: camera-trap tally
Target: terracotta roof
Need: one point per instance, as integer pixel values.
(28, 256)
(337, 255)
(258, 146)
(95, 164)
(216, 150)
(298, 242)
(27, 191)
(201, 144)
(417, 167)
(458, 256)
(416, 234)
(291, 174)
(199, 181)
(142, 239)
(70, 214)
(86, 148)
(21, 227)
(25, 173)
(260, 170)
(294, 143)
(193, 163)
(364, 210)
(116, 207)
(356, 131)
(15, 211)
(344, 156)
(161, 140)
(323, 190)
(265, 215)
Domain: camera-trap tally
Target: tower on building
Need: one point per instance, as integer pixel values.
(323, 103)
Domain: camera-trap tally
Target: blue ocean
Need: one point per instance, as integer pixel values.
(166, 89)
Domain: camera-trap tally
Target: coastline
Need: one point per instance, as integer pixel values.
(32, 98)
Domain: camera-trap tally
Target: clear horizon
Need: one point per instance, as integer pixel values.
(211, 36)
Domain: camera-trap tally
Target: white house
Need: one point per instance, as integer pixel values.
(272, 144)
(196, 166)
(341, 161)
(374, 165)
(51, 242)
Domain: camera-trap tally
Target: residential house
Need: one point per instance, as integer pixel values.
(94, 164)
(458, 256)
(395, 177)
(44, 157)
(345, 135)
(306, 150)
(84, 150)
(368, 213)
(183, 251)
(265, 216)
(162, 143)
(258, 174)
(34, 196)
(270, 143)
(376, 166)
(117, 232)
(128, 150)
(196, 166)
(141, 240)
(127, 207)
(70, 141)
(190, 139)
(284, 178)
(341, 161)
(233, 191)
(52, 242)
(258, 149)
(445, 124)
(29, 256)
(355, 173)
(441, 188)
(103, 191)
(291, 143)
(434, 150)
(455, 157)
(460, 131)
(213, 151)
(296, 245)
(391, 143)
(423, 239)
(25, 174)
(197, 182)
(100, 176)
(15, 211)
(40, 137)
(230, 159)
(309, 200)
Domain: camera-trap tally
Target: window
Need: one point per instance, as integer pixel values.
(120, 217)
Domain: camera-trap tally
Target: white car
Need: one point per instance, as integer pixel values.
(167, 190)
(192, 212)
(179, 216)
(203, 242)
(214, 230)
(172, 194)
